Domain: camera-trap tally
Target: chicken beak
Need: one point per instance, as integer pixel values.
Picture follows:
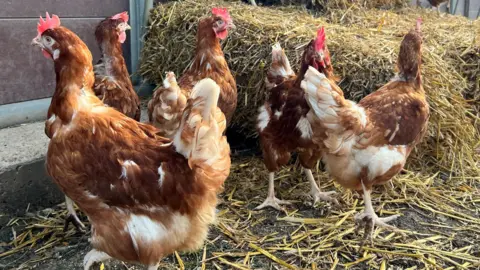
(231, 25)
(127, 27)
(36, 41)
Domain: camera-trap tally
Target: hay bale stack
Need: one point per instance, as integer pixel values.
(327, 5)
(364, 44)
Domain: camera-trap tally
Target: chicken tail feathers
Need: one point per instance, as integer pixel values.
(166, 108)
(337, 116)
(205, 95)
(200, 136)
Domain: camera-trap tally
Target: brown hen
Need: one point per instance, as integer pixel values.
(367, 144)
(145, 196)
(112, 82)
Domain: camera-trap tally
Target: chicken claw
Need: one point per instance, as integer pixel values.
(94, 256)
(323, 196)
(272, 201)
(72, 218)
(315, 190)
(368, 218)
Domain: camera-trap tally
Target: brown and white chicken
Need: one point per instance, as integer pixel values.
(145, 196)
(282, 122)
(368, 143)
(166, 106)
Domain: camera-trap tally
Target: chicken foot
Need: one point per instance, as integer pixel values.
(94, 256)
(72, 217)
(315, 190)
(271, 200)
(368, 218)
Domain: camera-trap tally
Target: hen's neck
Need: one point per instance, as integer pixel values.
(73, 92)
(209, 56)
(113, 60)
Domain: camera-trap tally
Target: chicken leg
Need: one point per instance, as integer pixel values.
(72, 217)
(368, 219)
(315, 190)
(271, 200)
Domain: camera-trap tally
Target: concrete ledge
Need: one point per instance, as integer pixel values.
(23, 112)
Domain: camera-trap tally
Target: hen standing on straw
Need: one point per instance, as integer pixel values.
(368, 143)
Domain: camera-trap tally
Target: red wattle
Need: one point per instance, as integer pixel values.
(222, 34)
(122, 37)
(46, 54)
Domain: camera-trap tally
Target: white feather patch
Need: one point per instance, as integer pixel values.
(161, 174)
(263, 118)
(305, 128)
(145, 230)
(278, 114)
(125, 167)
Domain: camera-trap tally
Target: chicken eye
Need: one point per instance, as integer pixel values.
(220, 22)
(48, 39)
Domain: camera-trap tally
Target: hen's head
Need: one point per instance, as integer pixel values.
(321, 55)
(59, 42)
(221, 22)
(113, 28)
(316, 54)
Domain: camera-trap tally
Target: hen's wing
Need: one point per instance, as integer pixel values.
(398, 114)
(118, 95)
(280, 69)
(112, 160)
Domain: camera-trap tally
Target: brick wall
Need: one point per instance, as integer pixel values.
(24, 72)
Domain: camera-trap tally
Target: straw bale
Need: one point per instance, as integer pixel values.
(364, 44)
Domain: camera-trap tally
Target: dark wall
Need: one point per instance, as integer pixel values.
(25, 74)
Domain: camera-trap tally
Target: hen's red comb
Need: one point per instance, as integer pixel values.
(320, 40)
(122, 16)
(222, 12)
(48, 23)
(419, 24)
